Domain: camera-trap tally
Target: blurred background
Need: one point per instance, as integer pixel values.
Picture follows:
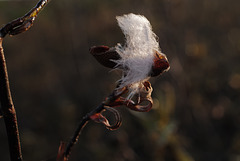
(55, 81)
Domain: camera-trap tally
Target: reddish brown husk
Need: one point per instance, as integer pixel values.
(161, 64)
(105, 55)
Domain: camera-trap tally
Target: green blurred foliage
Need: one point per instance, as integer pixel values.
(55, 81)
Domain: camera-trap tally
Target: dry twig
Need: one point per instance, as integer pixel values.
(9, 114)
(96, 116)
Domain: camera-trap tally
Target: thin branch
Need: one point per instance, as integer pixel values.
(8, 111)
(111, 98)
(9, 114)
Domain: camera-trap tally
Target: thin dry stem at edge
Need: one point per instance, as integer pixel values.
(14, 27)
(8, 110)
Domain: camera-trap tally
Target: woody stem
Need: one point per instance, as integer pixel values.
(8, 110)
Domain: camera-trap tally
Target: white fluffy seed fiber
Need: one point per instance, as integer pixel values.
(138, 52)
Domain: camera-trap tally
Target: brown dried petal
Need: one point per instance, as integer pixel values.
(104, 55)
(118, 119)
(99, 118)
(140, 108)
(145, 102)
(147, 90)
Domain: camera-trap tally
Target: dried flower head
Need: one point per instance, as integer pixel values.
(138, 53)
(139, 58)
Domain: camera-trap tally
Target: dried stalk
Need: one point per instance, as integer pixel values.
(9, 114)
(110, 99)
(8, 110)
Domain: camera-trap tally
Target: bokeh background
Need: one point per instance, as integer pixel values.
(55, 81)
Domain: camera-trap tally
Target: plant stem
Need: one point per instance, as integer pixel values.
(110, 99)
(8, 110)
(79, 129)
(14, 27)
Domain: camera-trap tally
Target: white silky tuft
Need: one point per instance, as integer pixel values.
(138, 52)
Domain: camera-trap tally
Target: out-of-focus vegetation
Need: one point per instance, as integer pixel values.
(55, 81)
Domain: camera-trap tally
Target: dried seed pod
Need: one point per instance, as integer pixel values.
(105, 55)
(160, 64)
(23, 26)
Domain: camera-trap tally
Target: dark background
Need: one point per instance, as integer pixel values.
(55, 81)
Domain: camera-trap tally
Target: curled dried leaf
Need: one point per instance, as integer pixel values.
(146, 91)
(118, 119)
(144, 105)
(99, 118)
(144, 101)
